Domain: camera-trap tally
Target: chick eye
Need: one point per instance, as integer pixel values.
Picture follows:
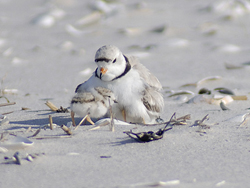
(114, 61)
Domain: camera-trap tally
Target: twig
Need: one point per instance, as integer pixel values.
(179, 121)
(28, 130)
(7, 104)
(7, 113)
(3, 136)
(112, 127)
(50, 122)
(66, 129)
(246, 118)
(106, 122)
(51, 106)
(52, 137)
(36, 133)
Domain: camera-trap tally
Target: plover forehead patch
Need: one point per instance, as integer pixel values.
(106, 53)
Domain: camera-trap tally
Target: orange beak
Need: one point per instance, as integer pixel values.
(103, 70)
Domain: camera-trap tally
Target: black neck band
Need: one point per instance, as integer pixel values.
(127, 69)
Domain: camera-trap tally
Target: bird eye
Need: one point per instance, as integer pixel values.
(114, 61)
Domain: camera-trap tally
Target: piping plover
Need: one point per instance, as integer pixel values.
(94, 104)
(137, 91)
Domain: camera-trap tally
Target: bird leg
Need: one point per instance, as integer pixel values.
(89, 120)
(73, 118)
(83, 119)
(124, 115)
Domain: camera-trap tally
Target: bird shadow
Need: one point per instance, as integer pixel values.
(122, 141)
(36, 123)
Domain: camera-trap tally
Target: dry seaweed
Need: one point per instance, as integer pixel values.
(62, 110)
(150, 135)
(174, 121)
(202, 126)
(55, 109)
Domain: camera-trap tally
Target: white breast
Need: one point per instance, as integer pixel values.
(128, 92)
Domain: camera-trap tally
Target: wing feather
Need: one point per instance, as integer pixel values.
(144, 73)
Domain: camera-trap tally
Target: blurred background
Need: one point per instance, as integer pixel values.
(47, 47)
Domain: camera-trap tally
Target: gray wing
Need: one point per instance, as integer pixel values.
(104, 91)
(152, 100)
(151, 96)
(84, 97)
(145, 74)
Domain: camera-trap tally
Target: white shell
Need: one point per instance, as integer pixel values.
(45, 21)
(178, 43)
(3, 120)
(211, 99)
(200, 98)
(209, 78)
(8, 52)
(73, 30)
(2, 42)
(221, 183)
(17, 61)
(233, 8)
(67, 45)
(239, 118)
(229, 48)
(16, 143)
(131, 31)
(89, 19)
(10, 91)
(57, 13)
(49, 19)
(106, 121)
(3, 150)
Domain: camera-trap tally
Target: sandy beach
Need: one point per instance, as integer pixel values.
(47, 48)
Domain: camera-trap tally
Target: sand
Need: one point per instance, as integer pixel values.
(45, 52)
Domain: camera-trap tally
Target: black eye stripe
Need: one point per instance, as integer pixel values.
(102, 59)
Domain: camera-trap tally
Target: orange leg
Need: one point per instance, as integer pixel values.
(89, 120)
(124, 115)
(73, 118)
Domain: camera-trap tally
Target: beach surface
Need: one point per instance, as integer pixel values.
(47, 48)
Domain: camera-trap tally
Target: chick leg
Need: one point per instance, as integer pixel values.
(82, 121)
(73, 118)
(124, 115)
(89, 120)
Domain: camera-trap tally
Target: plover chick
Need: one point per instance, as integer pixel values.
(94, 104)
